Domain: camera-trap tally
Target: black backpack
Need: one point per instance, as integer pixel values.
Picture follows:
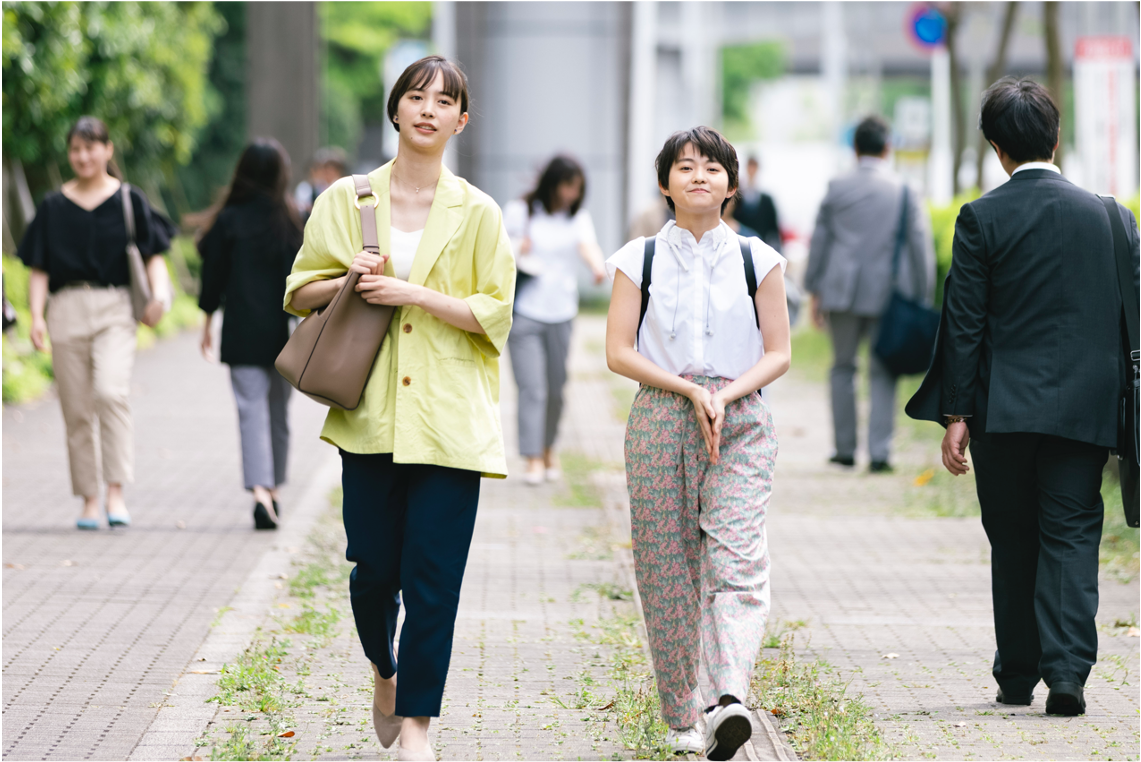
(746, 257)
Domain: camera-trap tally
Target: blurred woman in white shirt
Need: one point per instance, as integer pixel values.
(550, 232)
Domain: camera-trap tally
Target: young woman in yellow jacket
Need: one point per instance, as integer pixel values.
(428, 425)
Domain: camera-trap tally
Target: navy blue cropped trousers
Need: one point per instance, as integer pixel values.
(409, 528)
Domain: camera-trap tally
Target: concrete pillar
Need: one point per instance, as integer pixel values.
(941, 165)
(281, 77)
(834, 70)
(641, 150)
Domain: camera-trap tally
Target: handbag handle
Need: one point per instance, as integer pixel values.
(368, 214)
(128, 211)
(900, 236)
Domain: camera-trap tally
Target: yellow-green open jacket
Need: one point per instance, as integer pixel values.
(433, 396)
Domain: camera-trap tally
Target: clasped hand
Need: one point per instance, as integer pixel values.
(376, 287)
(710, 411)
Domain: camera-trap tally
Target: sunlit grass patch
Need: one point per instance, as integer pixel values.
(820, 719)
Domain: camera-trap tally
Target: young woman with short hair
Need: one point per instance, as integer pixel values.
(700, 443)
(427, 427)
(76, 247)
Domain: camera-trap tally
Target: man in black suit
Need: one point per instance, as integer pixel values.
(1029, 367)
(756, 209)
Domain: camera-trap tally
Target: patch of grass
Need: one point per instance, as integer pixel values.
(312, 576)
(811, 353)
(580, 491)
(623, 400)
(594, 305)
(594, 545)
(605, 589)
(777, 630)
(313, 622)
(241, 745)
(820, 719)
(1120, 551)
(253, 682)
(934, 492)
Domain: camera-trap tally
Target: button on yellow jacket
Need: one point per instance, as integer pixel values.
(433, 396)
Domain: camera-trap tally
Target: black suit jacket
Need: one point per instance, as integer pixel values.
(246, 256)
(1030, 338)
(761, 216)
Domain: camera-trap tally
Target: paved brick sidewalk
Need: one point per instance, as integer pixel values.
(870, 583)
(98, 626)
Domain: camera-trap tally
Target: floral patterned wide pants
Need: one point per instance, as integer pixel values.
(701, 557)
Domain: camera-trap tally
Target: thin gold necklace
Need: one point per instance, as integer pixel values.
(406, 183)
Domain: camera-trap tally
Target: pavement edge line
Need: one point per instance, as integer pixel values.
(185, 710)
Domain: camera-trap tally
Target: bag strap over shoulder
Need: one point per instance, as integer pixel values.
(1124, 273)
(368, 213)
(900, 236)
(128, 211)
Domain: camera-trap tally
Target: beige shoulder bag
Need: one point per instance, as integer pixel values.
(330, 355)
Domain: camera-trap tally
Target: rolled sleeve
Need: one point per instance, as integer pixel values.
(328, 248)
(494, 271)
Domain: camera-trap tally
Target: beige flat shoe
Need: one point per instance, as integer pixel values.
(387, 726)
(424, 755)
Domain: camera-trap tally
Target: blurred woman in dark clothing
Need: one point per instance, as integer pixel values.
(247, 252)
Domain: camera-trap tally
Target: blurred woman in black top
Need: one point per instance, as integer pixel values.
(76, 247)
(247, 252)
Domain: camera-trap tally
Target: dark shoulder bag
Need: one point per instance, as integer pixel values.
(906, 339)
(330, 356)
(1128, 451)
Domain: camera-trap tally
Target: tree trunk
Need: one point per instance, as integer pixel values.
(953, 14)
(1054, 68)
(993, 74)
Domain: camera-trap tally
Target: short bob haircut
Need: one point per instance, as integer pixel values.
(1020, 116)
(872, 136)
(559, 170)
(420, 74)
(707, 142)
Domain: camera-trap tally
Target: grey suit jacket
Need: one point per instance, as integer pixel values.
(849, 261)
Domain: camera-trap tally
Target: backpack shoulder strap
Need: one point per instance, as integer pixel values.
(750, 275)
(368, 214)
(647, 268)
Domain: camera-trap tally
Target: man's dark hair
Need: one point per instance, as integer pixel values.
(1020, 116)
(561, 169)
(706, 141)
(872, 136)
(420, 74)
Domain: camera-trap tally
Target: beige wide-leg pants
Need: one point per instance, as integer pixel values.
(93, 339)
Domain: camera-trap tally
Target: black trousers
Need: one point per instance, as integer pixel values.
(1041, 508)
(409, 528)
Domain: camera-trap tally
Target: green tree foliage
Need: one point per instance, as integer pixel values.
(221, 141)
(741, 65)
(357, 36)
(141, 67)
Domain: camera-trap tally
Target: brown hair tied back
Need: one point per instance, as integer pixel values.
(93, 130)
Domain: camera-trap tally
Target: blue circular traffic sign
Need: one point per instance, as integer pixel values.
(928, 27)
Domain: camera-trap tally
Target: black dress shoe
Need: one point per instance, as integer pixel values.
(880, 467)
(1067, 699)
(1014, 699)
(840, 460)
(264, 518)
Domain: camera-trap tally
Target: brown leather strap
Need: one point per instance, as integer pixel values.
(128, 211)
(368, 214)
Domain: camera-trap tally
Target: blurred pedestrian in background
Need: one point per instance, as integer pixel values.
(247, 246)
(756, 209)
(552, 232)
(413, 450)
(1030, 368)
(850, 278)
(329, 165)
(76, 247)
(700, 443)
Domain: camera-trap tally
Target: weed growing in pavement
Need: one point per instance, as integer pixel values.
(240, 745)
(776, 631)
(1120, 551)
(580, 491)
(253, 682)
(594, 545)
(821, 721)
(607, 590)
(313, 622)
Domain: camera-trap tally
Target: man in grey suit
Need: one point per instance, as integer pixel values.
(850, 278)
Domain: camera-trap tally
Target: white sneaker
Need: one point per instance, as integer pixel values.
(727, 728)
(533, 478)
(685, 741)
(554, 474)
